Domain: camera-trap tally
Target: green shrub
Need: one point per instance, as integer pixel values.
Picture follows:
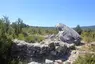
(5, 48)
(33, 39)
(30, 39)
(21, 37)
(39, 38)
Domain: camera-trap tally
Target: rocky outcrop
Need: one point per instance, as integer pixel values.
(53, 48)
(67, 34)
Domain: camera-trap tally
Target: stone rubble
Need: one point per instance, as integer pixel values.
(56, 49)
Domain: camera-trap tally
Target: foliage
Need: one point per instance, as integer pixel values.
(7, 33)
(86, 59)
(21, 37)
(5, 45)
(33, 39)
(78, 29)
(40, 30)
(88, 36)
(18, 25)
(22, 31)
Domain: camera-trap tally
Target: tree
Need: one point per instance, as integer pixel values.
(78, 29)
(6, 21)
(18, 25)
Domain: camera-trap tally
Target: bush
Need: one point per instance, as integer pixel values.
(21, 37)
(5, 48)
(33, 39)
(30, 39)
(39, 38)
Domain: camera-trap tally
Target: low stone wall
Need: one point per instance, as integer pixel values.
(38, 52)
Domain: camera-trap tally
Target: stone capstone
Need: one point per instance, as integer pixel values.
(67, 34)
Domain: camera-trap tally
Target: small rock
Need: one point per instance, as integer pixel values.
(48, 61)
(59, 61)
(34, 63)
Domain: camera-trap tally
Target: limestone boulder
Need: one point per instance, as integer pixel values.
(67, 34)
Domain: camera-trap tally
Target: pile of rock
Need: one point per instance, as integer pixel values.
(56, 48)
(38, 52)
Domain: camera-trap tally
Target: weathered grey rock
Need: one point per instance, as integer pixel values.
(67, 34)
(34, 63)
(47, 61)
(58, 62)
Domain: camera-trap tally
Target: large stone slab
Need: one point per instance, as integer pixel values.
(67, 34)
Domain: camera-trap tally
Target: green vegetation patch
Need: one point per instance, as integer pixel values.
(33, 39)
(88, 36)
(86, 59)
